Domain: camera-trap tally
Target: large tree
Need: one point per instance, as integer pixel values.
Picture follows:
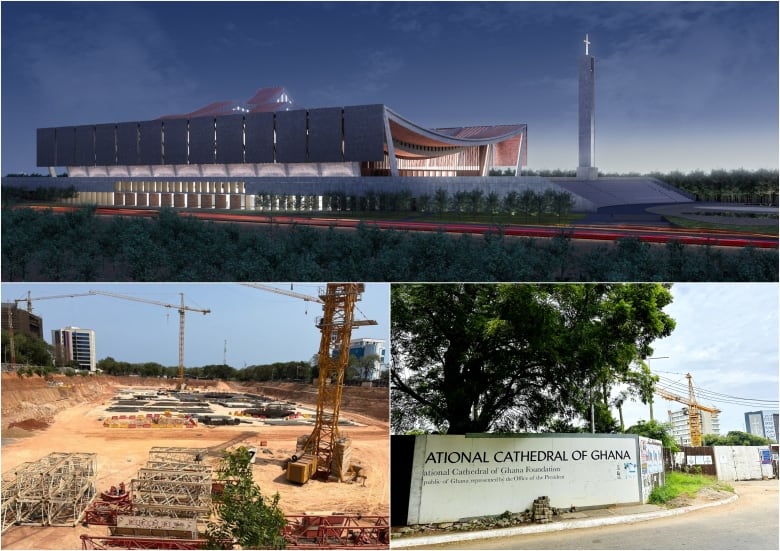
(29, 350)
(480, 358)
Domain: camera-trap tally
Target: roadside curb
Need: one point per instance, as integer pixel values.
(553, 527)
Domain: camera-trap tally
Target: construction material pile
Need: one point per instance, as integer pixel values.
(166, 420)
(541, 512)
(53, 491)
(175, 484)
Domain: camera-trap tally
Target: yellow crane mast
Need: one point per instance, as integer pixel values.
(338, 306)
(336, 328)
(694, 409)
(181, 309)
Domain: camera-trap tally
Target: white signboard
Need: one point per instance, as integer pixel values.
(476, 475)
(157, 523)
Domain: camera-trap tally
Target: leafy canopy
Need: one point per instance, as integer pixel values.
(658, 431)
(507, 357)
(243, 515)
(734, 438)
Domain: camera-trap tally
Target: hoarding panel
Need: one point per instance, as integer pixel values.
(230, 139)
(66, 146)
(291, 136)
(45, 147)
(127, 143)
(105, 145)
(477, 475)
(259, 138)
(325, 135)
(364, 133)
(85, 146)
(150, 143)
(202, 140)
(175, 142)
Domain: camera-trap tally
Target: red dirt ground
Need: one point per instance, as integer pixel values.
(38, 419)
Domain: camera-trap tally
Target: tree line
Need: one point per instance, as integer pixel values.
(13, 194)
(35, 356)
(728, 186)
(288, 371)
(78, 246)
(527, 202)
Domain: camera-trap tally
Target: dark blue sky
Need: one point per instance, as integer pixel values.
(685, 86)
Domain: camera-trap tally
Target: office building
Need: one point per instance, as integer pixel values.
(762, 423)
(74, 344)
(681, 431)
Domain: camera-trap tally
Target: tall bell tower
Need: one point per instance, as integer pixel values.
(587, 113)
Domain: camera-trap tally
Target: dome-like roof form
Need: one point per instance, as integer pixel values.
(265, 100)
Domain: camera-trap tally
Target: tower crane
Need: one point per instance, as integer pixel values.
(181, 308)
(338, 306)
(293, 294)
(694, 409)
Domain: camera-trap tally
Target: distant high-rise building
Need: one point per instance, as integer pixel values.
(681, 431)
(74, 344)
(360, 348)
(762, 423)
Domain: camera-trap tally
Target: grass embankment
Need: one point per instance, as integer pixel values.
(687, 223)
(678, 484)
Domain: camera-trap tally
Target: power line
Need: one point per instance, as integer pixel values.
(704, 394)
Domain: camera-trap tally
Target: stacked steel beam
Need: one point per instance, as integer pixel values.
(55, 490)
(174, 484)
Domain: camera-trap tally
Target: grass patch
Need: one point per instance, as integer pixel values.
(768, 229)
(678, 484)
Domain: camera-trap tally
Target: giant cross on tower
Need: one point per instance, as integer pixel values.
(587, 115)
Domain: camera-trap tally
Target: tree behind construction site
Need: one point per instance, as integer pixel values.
(242, 515)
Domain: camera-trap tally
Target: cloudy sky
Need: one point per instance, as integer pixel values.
(680, 86)
(726, 338)
(260, 326)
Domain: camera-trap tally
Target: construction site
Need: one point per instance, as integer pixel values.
(126, 462)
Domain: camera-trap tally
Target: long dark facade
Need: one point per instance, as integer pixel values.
(267, 137)
(348, 134)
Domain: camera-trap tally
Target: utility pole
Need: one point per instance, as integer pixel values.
(648, 366)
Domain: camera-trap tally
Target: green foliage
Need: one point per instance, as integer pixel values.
(173, 247)
(244, 517)
(481, 358)
(294, 370)
(734, 438)
(743, 186)
(29, 350)
(655, 430)
(550, 202)
(40, 194)
(678, 484)
(660, 495)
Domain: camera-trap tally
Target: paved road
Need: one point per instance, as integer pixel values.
(750, 522)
